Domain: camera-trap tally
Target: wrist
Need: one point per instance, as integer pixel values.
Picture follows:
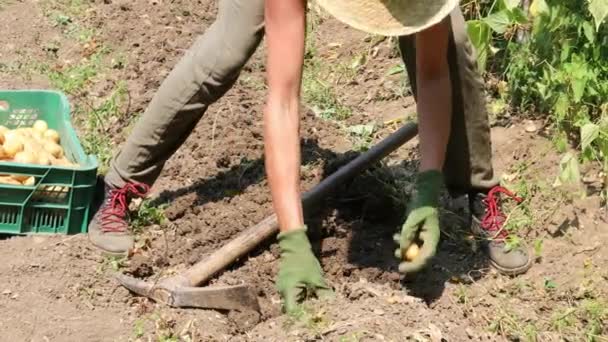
(428, 187)
(294, 240)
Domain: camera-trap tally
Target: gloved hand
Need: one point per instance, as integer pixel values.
(300, 274)
(422, 223)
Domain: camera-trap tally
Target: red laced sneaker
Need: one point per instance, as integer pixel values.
(494, 219)
(487, 222)
(109, 229)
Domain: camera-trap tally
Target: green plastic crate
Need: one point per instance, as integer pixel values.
(60, 200)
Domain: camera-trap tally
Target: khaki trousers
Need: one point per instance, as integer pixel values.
(213, 63)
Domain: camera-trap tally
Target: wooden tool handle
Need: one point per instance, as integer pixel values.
(248, 239)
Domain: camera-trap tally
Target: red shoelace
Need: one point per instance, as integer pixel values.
(494, 218)
(113, 215)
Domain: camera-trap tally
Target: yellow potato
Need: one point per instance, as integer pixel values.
(54, 149)
(52, 135)
(12, 147)
(412, 252)
(1, 138)
(62, 162)
(30, 181)
(32, 145)
(9, 180)
(25, 157)
(40, 126)
(13, 135)
(44, 158)
(22, 132)
(37, 136)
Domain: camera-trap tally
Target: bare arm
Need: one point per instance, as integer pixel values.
(434, 94)
(285, 33)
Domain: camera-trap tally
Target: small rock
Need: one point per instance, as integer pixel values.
(378, 312)
(15, 296)
(268, 257)
(530, 127)
(392, 300)
(39, 239)
(6, 292)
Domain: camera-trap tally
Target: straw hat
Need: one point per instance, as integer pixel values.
(389, 17)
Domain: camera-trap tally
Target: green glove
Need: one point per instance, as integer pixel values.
(422, 223)
(300, 274)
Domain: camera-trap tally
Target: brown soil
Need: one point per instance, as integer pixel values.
(60, 289)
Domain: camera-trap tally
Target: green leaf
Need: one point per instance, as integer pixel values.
(599, 11)
(518, 16)
(561, 107)
(510, 4)
(397, 69)
(550, 284)
(568, 170)
(480, 35)
(499, 21)
(538, 7)
(362, 130)
(589, 132)
(538, 247)
(578, 88)
(589, 32)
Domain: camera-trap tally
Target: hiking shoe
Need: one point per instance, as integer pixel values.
(487, 222)
(109, 229)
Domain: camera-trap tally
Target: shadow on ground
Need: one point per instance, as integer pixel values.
(357, 222)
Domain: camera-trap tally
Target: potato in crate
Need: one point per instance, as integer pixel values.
(46, 179)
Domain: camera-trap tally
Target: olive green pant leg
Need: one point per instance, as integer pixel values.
(205, 73)
(468, 165)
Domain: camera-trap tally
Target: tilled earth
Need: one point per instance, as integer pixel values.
(60, 289)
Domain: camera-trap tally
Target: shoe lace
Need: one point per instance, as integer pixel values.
(113, 215)
(494, 218)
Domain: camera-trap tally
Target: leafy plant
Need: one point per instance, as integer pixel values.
(552, 59)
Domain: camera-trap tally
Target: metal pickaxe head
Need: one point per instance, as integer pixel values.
(176, 292)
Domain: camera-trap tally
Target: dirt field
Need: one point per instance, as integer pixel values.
(110, 52)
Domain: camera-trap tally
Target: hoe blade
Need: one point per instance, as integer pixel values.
(239, 297)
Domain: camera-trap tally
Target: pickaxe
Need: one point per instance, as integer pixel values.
(182, 290)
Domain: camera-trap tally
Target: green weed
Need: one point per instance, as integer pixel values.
(362, 136)
(94, 120)
(558, 69)
(147, 214)
(510, 325)
(72, 79)
(318, 93)
(114, 263)
(138, 329)
(353, 337)
(308, 317)
(462, 294)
